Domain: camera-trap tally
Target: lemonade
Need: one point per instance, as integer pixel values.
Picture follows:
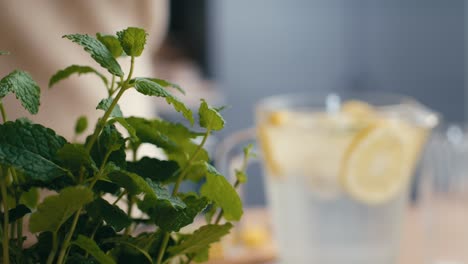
(337, 180)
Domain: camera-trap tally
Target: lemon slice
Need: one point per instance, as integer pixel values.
(358, 109)
(375, 166)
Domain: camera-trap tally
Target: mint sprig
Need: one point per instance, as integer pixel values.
(77, 224)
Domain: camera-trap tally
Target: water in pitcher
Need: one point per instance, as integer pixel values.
(337, 181)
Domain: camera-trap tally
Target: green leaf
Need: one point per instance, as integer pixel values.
(4, 52)
(106, 103)
(75, 69)
(220, 191)
(24, 87)
(30, 198)
(134, 244)
(197, 171)
(93, 249)
(171, 219)
(147, 132)
(210, 212)
(162, 195)
(200, 239)
(56, 209)
(81, 125)
(202, 256)
(105, 186)
(241, 176)
(31, 148)
(155, 169)
(135, 184)
(210, 118)
(74, 156)
(98, 52)
(150, 88)
(167, 84)
(175, 139)
(16, 213)
(112, 44)
(123, 122)
(110, 141)
(132, 40)
(113, 215)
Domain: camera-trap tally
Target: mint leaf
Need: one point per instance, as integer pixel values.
(106, 186)
(110, 141)
(197, 171)
(93, 249)
(154, 169)
(112, 44)
(24, 87)
(170, 219)
(200, 239)
(74, 69)
(167, 84)
(56, 209)
(131, 182)
(113, 215)
(98, 52)
(74, 156)
(202, 256)
(210, 212)
(31, 149)
(135, 244)
(175, 139)
(210, 117)
(220, 191)
(104, 104)
(4, 52)
(16, 213)
(147, 132)
(81, 125)
(132, 40)
(162, 195)
(135, 185)
(241, 176)
(30, 198)
(123, 122)
(150, 88)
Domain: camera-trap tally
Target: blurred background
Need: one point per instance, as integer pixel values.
(252, 49)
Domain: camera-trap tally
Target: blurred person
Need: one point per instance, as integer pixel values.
(31, 31)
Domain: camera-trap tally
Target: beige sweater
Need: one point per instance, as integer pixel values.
(31, 31)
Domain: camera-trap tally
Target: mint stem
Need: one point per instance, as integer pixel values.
(51, 257)
(111, 89)
(189, 163)
(176, 189)
(163, 247)
(120, 197)
(128, 229)
(6, 240)
(2, 110)
(103, 120)
(66, 242)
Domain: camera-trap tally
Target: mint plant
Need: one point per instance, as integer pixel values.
(77, 225)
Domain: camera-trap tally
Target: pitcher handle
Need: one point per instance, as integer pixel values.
(229, 154)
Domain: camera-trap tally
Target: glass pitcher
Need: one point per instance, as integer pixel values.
(338, 171)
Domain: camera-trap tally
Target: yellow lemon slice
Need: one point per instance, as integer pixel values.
(358, 109)
(274, 140)
(376, 166)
